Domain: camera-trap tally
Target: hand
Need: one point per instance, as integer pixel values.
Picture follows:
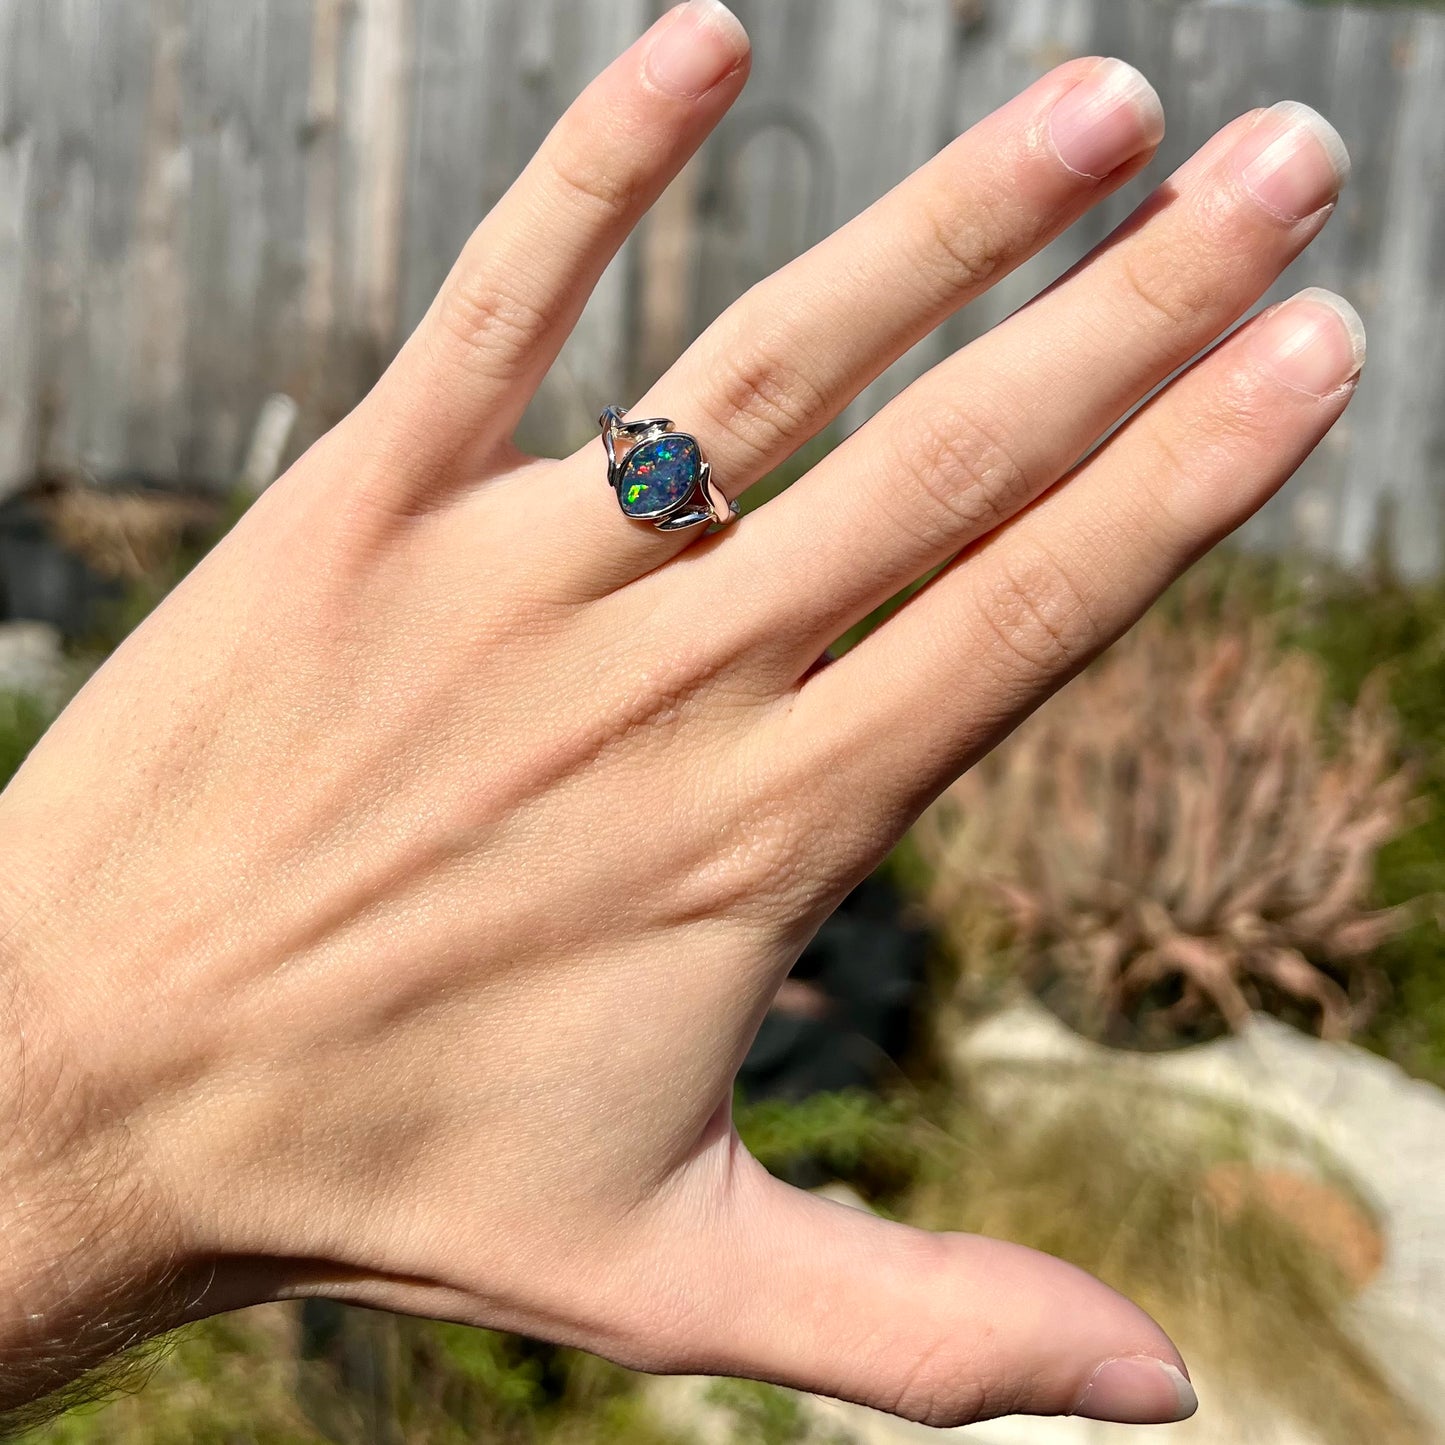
(387, 919)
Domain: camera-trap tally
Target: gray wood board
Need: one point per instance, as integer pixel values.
(204, 201)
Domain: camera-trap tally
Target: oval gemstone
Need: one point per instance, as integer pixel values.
(657, 475)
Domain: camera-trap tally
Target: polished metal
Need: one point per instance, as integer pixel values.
(703, 503)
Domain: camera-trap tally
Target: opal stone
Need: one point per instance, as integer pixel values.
(658, 474)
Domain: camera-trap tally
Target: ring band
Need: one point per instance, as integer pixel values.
(662, 477)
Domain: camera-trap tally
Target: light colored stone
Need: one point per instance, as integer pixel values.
(32, 662)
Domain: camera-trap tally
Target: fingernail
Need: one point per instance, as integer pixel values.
(1314, 342)
(1292, 162)
(1141, 1391)
(696, 45)
(1108, 118)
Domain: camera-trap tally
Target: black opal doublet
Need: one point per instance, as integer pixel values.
(659, 475)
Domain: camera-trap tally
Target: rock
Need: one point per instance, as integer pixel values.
(32, 662)
(1318, 1209)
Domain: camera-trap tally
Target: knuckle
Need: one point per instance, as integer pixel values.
(1177, 466)
(943, 1384)
(1037, 617)
(1189, 456)
(965, 472)
(929, 1398)
(765, 401)
(496, 327)
(1204, 265)
(920, 1396)
(579, 182)
(1247, 408)
(1169, 289)
(962, 259)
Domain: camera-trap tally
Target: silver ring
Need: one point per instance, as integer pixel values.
(662, 477)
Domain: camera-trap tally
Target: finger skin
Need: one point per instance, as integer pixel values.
(464, 378)
(989, 429)
(945, 1329)
(787, 357)
(967, 658)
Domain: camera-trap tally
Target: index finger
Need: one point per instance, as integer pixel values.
(465, 376)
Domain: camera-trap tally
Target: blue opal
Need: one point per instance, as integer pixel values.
(657, 475)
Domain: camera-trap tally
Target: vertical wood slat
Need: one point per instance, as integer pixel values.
(376, 153)
(563, 52)
(155, 360)
(18, 257)
(224, 200)
(227, 214)
(1401, 430)
(60, 219)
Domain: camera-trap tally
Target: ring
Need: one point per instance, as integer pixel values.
(662, 477)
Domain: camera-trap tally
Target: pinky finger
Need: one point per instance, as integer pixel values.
(1015, 617)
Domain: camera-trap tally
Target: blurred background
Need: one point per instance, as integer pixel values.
(1159, 987)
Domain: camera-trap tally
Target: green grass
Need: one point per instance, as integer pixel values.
(22, 721)
(758, 1414)
(238, 1380)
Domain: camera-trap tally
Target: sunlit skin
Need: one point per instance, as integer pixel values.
(387, 919)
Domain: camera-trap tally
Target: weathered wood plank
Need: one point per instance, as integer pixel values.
(225, 200)
(19, 287)
(154, 364)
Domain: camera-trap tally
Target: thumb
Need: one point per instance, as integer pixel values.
(942, 1328)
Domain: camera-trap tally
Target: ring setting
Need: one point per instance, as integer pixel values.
(662, 476)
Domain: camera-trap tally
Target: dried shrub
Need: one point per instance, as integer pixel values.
(125, 534)
(1178, 838)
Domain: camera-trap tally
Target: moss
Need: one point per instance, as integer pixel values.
(853, 1135)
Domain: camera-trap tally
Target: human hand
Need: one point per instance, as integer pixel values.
(388, 917)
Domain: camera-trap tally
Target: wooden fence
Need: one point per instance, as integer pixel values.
(204, 201)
